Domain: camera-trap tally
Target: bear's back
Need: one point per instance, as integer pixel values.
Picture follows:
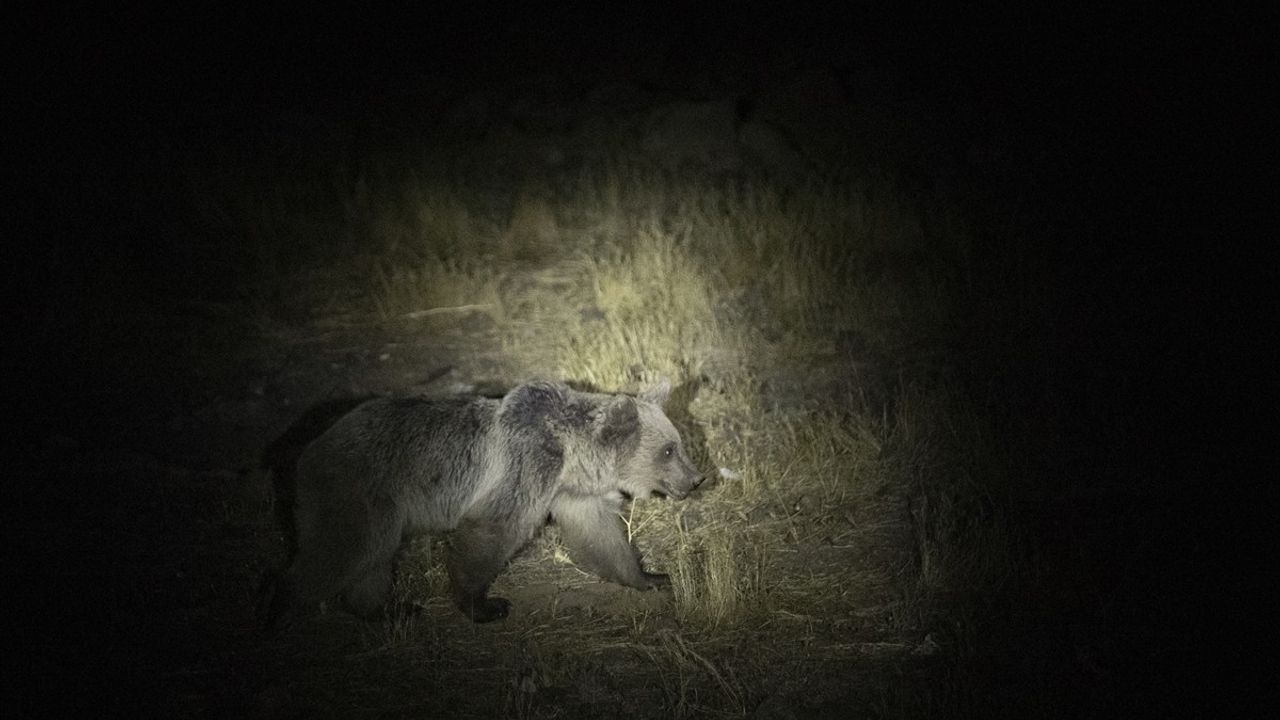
(404, 449)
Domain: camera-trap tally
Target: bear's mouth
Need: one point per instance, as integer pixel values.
(671, 494)
(661, 492)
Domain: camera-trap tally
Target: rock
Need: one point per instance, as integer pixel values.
(770, 149)
(694, 134)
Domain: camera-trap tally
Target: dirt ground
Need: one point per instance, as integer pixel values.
(143, 595)
(1116, 310)
(144, 524)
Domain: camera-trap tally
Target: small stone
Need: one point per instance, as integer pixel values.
(807, 504)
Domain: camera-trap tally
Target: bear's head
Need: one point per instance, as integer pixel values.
(650, 456)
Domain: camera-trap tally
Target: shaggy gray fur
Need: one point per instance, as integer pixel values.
(490, 473)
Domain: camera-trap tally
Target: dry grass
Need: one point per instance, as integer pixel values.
(655, 312)
(688, 675)
(405, 290)
(829, 512)
(720, 580)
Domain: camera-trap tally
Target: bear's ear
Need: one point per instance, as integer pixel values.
(617, 421)
(657, 393)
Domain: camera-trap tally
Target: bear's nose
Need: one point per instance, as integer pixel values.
(698, 481)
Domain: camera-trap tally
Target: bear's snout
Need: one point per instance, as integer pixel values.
(680, 489)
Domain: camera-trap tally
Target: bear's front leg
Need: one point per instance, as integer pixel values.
(597, 540)
(478, 550)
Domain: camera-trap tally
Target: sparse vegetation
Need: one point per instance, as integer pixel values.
(982, 427)
(858, 508)
(859, 502)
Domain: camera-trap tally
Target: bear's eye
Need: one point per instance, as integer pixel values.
(669, 450)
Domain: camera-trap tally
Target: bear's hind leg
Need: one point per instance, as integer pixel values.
(297, 593)
(368, 568)
(597, 540)
(351, 556)
(368, 595)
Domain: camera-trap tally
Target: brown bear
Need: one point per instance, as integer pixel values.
(490, 473)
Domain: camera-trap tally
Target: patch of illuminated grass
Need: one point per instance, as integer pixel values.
(628, 275)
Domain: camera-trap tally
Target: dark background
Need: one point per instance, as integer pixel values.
(1136, 189)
